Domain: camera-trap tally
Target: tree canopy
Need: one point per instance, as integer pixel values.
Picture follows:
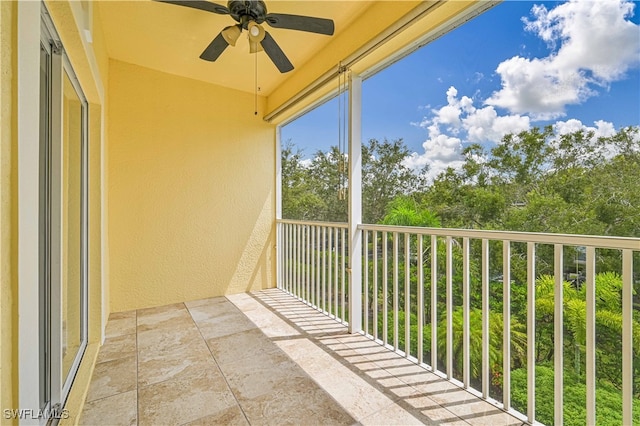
(535, 181)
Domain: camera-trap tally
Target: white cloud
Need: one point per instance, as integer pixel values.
(484, 125)
(440, 152)
(592, 45)
(458, 118)
(602, 128)
(597, 46)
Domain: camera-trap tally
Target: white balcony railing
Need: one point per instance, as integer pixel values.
(312, 258)
(424, 289)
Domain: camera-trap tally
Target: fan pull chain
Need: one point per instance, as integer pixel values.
(255, 98)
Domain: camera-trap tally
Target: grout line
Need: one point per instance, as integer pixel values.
(224, 377)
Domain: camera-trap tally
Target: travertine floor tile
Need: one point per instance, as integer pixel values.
(116, 410)
(116, 347)
(263, 358)
(174, 319)
(181, 401)
(121, 323)
(301, 402)
(112, 377)
(224, 326)
(181, 362)
(273, 374)
(151, 342)
(249, 345)
(232, 416)
(213, 310)
(391, 415)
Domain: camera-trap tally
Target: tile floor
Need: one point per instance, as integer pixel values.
(262, 358)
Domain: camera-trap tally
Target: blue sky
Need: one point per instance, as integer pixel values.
(521, 64)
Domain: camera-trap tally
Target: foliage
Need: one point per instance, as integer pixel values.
(316, 189)
(539, 181)
(535, 181)
(608, 400)
(405, 211)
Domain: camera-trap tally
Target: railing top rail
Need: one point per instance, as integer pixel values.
(314, 223)
(535, 237)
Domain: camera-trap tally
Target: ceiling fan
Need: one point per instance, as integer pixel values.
(250, 14)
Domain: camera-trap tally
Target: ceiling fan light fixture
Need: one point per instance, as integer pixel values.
(256, 32)
(231, 34)
(250, 14)
(255, 47)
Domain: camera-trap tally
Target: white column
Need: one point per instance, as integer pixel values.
(278, 211)
(355, 203)
(28, 95)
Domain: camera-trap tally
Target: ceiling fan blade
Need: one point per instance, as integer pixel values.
(215, 48)
(199, 4)
(301, 23)
(275, 53)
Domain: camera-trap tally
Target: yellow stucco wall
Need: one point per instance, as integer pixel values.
(191, 190)
(8, 212)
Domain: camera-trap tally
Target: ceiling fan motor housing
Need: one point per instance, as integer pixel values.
(245, 11)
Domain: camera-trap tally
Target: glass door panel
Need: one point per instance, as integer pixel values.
(72, 226)
(45, 223)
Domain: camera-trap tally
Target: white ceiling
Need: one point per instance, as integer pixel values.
(170, 38)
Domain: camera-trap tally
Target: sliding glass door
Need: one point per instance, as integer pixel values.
(63, 223)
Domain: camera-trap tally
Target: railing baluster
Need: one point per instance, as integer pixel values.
(318, 266)
(395, 291)
(466, 278)
(330, 274)
(558, 337)
(285, 263)
(308, 264)
(290, 258)
(385, 296)
(324, 268)
(293, 259)
(375, 284)
(449, 302)
(627, 337)
(297, 261)
(485, 318)
(590, 343)
(531, 332)
(365, 281)
(420, 284)
(278, 252)
(506, 322)
(345, 317)
(407, 294)
(336, 277)
(434, 302)
(312, 265)
(301, 262)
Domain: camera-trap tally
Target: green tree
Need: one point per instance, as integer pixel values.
(385, 177)
(405, 211)
(299, 200)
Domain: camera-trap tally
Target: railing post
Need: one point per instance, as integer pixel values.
(355, 204)
(279, 226)
(558, 335)
(627, 337)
